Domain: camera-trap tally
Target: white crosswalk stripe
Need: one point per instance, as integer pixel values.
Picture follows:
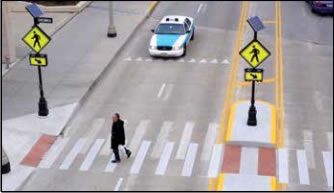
(308, 146)
(302, 167)
(190, 160)
(283, 165)
(163, 163)
(217, 153)
(210, 140)
(73, 154)
(92, 155)
(139, 160)
(92, 133)
(185, 140)
(161, 139)
(328, 163)
(138, 135)
(51, 156)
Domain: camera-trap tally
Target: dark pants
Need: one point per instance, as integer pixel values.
(116, 152)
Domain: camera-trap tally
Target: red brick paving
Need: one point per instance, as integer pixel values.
(232, 157)
(38, 150)
(267, 161)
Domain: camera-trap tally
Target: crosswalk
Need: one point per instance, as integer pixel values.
(180, 60)
(166, 149)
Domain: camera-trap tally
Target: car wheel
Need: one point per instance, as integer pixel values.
(184, 50)
(192, 37)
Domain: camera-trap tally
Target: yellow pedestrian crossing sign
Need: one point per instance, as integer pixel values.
(38, 60)
(36, 39)
(254, 74)
(254, 53)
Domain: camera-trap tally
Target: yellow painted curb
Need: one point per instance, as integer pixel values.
(220, 182)
(274, 184)
(152, 6)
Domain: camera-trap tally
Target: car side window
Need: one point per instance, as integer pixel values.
(188, 22)
(186, 26)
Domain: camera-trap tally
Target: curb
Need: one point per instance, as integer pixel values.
(105, 69)
(273, 129)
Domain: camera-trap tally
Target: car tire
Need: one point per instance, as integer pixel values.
(193, 36)
(184, 50)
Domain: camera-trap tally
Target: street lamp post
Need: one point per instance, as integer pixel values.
(111, 28)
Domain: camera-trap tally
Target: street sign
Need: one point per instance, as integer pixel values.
(254, 74)
(45, 19)
(38, 60)
(254, 53)
(36, 39)
(34, 10)
(255, 23)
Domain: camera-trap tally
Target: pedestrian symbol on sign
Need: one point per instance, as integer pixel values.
(36, 39)
(254, 53)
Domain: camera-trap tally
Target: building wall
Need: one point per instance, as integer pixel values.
(7, 41)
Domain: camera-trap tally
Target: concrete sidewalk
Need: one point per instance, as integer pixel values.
(78, 55)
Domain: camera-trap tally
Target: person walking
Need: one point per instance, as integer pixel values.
(118, 137)
(37, 38)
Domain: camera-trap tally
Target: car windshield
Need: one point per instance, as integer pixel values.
(170, 29)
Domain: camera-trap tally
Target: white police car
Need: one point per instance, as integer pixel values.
(172, 36)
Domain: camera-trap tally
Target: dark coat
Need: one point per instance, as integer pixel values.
(117, 134)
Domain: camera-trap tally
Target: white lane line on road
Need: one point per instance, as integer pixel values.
(328, 163)
(128, 59)
(165, 157)
(161, 139)
(118, 185)
(51, 156)
(225, 61)
(308, 146)
(199, 8)
(73, 154)
(139, 160)
(185, 140)
(168, 92)
(192, 60)
(210, 140)
(190, 160)
(92, 133)
(139, 59)
(214, 61)
(249, 160)
(203, 61)
(162, 88)
(107, 146)
(283, 165)
(91, 155)
(302, 167)
(217, 153)
(138, 135)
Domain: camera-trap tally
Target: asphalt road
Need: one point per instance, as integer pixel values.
(179, 102)
(182, 97)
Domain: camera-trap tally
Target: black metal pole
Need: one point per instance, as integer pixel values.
(255, 35)
(42, 105)
(252, 109)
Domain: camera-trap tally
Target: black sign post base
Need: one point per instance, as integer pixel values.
(43, 110)
(252, 110)
(252, 117)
